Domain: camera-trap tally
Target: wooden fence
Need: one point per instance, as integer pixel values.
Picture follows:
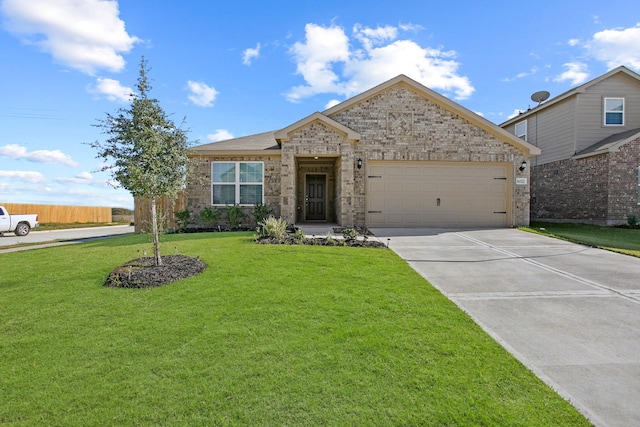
(165, 209)
(61, 214)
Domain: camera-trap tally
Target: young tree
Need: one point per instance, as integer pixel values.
(146, 153)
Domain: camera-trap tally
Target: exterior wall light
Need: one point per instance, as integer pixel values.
(359, 163)
(523, 165)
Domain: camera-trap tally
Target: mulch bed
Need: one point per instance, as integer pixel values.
(143, 273)
(320, 241)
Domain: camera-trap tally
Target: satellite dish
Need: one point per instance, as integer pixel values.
(540, 96)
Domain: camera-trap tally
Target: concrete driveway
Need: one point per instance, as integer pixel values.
(569, 312)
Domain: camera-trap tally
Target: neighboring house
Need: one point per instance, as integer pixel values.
(397, 155)
(590, 142)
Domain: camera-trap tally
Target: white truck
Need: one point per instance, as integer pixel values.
(20, 225)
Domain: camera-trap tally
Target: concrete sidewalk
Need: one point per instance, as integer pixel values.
(40, 239)
(569, 312)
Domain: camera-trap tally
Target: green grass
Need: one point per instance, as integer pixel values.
(267, 335)
(617, 239)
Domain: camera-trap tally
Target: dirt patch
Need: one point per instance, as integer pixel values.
(143, 273)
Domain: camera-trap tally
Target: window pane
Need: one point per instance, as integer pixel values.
(521, 129)
(614, 118)
(614, 104)
(224, 194)
(250, 194)
(224, 172)
(250, 172)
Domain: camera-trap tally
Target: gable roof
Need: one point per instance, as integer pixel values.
(444, 102)
(267, 141)
(610, 144)
(283, 134)
(251, 144)
(572, 92)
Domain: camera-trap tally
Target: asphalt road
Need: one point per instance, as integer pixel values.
(67, 236)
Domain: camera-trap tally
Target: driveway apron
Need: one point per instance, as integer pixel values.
(569, 312)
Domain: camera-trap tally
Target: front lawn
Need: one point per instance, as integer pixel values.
(267, 335)
(617, 239)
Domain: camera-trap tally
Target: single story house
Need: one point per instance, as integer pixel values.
(397, 155)
(589, 137)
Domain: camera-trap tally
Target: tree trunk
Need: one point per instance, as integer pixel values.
(154, 231)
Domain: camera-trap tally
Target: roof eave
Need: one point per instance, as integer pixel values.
(227, 153)
(571, 92)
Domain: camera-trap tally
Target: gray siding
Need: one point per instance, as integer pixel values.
(556, 132)
(552, 130)
(589, 124)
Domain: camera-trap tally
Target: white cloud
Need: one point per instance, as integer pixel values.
(220, 135)
(411, 27)
(201, 94)
(315, 58)
(620, 46)
(573, 42)
(576, 73)
(87, 178)
(516, 112)
(374, 36)
(16, 151)
(26, 176)
(329, 64)
(112, 89)
(332, 103)
(87, 35)
(250, 53)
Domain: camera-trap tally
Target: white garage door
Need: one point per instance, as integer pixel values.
(433, 194)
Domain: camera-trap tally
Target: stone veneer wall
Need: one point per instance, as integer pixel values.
(399, 124)
(623, 182)
(199, 193)
(317, 139)
(569, 188)
(601, 189)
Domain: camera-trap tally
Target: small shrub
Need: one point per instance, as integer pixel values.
(632, 220)
(210, 215)
(234, 216)
(298, 236)
(260, 212)
(274, 227)
(182, 218)
(350, 234)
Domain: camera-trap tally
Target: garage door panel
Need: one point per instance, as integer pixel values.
(429, 194)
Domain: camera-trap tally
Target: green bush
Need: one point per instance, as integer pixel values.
(299, 235)
(209, 215)
(234, 216)
(182, 218)
(632, 220)
(260, 212)
(349, 234)
(274, 227)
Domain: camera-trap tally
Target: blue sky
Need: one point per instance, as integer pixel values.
(244, 67)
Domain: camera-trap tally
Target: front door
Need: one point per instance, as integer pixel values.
(316, 198)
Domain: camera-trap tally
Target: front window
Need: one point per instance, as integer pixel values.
(237, 183)
(521, 130)
(614, 111)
